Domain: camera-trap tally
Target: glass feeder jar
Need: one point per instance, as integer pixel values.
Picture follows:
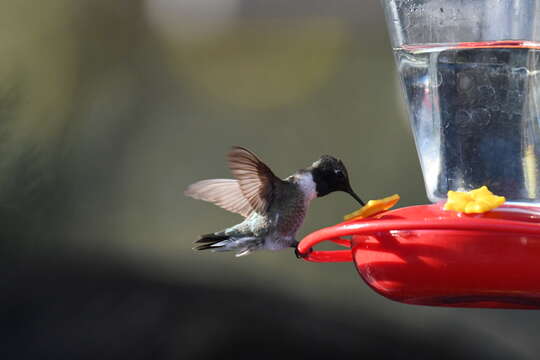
(470, 75)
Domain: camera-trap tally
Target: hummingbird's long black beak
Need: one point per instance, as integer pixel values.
(356, 197)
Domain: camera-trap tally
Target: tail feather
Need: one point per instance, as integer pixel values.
(221, 242)
(210, 241)
(203, 247)
(211, 238)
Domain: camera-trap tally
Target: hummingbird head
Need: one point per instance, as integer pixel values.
(329, 175)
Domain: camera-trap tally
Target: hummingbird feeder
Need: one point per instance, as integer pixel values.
(470, 75)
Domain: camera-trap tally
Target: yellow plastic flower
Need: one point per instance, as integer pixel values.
(373, 207)
(475, 201)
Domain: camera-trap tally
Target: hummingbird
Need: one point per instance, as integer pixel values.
(274, 209)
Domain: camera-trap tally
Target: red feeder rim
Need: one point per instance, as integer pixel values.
(425, 255)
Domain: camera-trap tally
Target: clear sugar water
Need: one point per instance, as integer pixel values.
(474, 110)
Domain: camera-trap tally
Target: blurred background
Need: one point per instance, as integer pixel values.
(108, 110)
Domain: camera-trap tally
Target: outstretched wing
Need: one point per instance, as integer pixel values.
(225, 193)
(257, 182)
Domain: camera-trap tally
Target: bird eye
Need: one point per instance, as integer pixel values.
(338, 173)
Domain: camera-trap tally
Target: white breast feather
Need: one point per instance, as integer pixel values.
(308, 186)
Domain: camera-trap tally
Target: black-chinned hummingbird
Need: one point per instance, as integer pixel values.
(274, 209)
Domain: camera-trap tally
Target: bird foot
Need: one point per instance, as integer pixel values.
(300, 255)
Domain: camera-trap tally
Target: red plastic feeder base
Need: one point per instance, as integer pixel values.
(427, 256)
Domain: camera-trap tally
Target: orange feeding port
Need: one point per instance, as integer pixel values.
(427, 256)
